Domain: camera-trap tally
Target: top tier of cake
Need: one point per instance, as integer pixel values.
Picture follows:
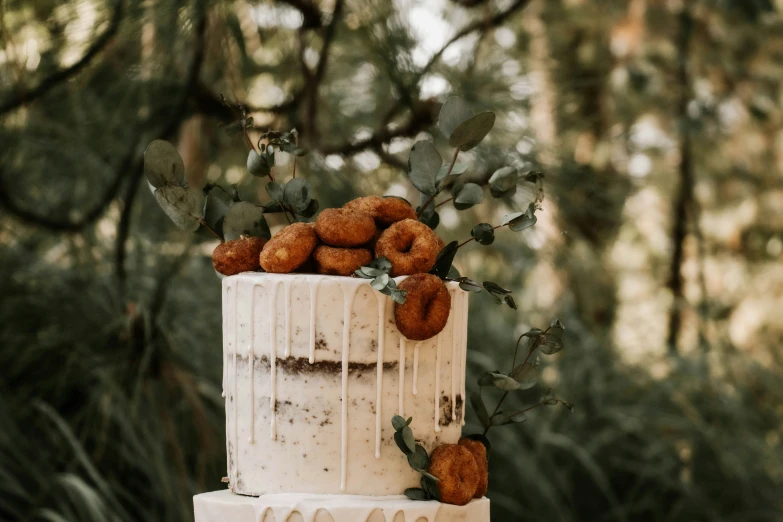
(314, 368)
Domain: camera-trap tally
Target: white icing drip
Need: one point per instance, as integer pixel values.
(348, 296)
(464, 349)
(273, 362)
(313, 298)
(402, 377)
(379, 373)
(416, 367)
(251, 364)
(226, 344)
(439, 342)
(454, 354)
(287, 287)
(236, 379)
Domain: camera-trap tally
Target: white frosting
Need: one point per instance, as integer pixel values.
(333, 366)
(222, 506)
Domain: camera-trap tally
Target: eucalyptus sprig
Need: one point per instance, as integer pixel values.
(418, 459)
(378, 271)
(519, 377)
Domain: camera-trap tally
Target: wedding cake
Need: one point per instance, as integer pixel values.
(314, 368)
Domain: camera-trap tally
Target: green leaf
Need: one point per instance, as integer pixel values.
(380, 282)
(444, 260)
(419, 460)
(276, 191)
(502, 418)
(296, 194)
(533, 332)
(483, 233)
(472, 131)
(405, 440)
(557, 323)
(381, 263)
(398, 439)
(311, 209)
(469, 285)
(509, 300)
(521, 220)
(495, 288)
(163, 165)
(183, 206)
(257, 164)
(551, 344)
(469, 194)
(424, 162)
(429, 483)
(454, 111)
(430, 218)
(417, 494)
(398, 296)
(487, 378)
(504, 382)
(454, 274)
(398, 423)
(300, 151)
(244, 218)
(480, 409)
(503, 182)
(456, 171)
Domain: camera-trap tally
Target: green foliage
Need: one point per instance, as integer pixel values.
(417, 459)
(378, 271)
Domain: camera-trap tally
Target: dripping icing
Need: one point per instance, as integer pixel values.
(438, 343)
(379, 372)
(348, 296)
(416, 367)
(464, 349)
(273, 361)
(287, 288)
(402, 377)
(454, 345)
(313, 298)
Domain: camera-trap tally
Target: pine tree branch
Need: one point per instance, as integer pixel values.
(25, 97)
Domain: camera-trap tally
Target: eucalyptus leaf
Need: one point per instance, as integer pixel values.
(495, 288)
(483, 233)
(216, 204)
(533, 332)
(244, 218)
(424, 162)
(509, 300)
(521, 220)
(419, 460)
(472, 131)
(454, 273)
(454, 111)
(551, 344)
(469, 285)
(429, 483)
(431, 219)
(380, 282)
(276, 191)
(504, 382)
(310, 210)
(257, 164)
(400, 441)
(183, 206)
(502, 418)
(398, 423)
(381, 263)
(397, 295)
(296, 194)
(503, 182)
(469, 194)
(557, 323)
(407, 437)
(444, 260)
(163, 165)
(443, 180)
(417, 494)
(480, 409)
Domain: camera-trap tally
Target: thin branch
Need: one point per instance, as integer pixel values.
(429, 201)
(311, 15)
(24, 97)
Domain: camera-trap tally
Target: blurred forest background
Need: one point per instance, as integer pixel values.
(658, 123)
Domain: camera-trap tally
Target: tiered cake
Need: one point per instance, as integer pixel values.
(314, 369)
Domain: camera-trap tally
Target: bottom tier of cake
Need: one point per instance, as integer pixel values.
(224, 506)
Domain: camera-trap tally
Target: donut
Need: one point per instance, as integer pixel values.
(344, 228)
(384, 211)
(288, 249)
(479, 452)
(239, 255)
(458, 473)
(411, 246)
(340, 261)
(426, 308)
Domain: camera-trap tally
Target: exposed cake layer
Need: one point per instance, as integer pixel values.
(314, 370)
(223, 506)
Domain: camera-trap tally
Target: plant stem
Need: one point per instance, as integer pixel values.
(444, 202)
(212, 230)
(429, 200)
(472, 238)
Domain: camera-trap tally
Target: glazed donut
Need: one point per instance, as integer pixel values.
(384, 211)
(426, 308)
(344, 228)
(458, 473)
(479, 452)
(340, 261)
(288, 249)
(239, 255)
(411, 246)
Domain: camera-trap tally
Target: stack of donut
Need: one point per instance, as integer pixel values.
(344, 239)
(462, 470)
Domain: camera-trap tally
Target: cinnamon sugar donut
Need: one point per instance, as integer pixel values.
(344, 228)
(340, 261)
(384, 211)
(426, 308)
(239, 255)
(479, 452)
(411, 246)
(456, 468)
(288, 249)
